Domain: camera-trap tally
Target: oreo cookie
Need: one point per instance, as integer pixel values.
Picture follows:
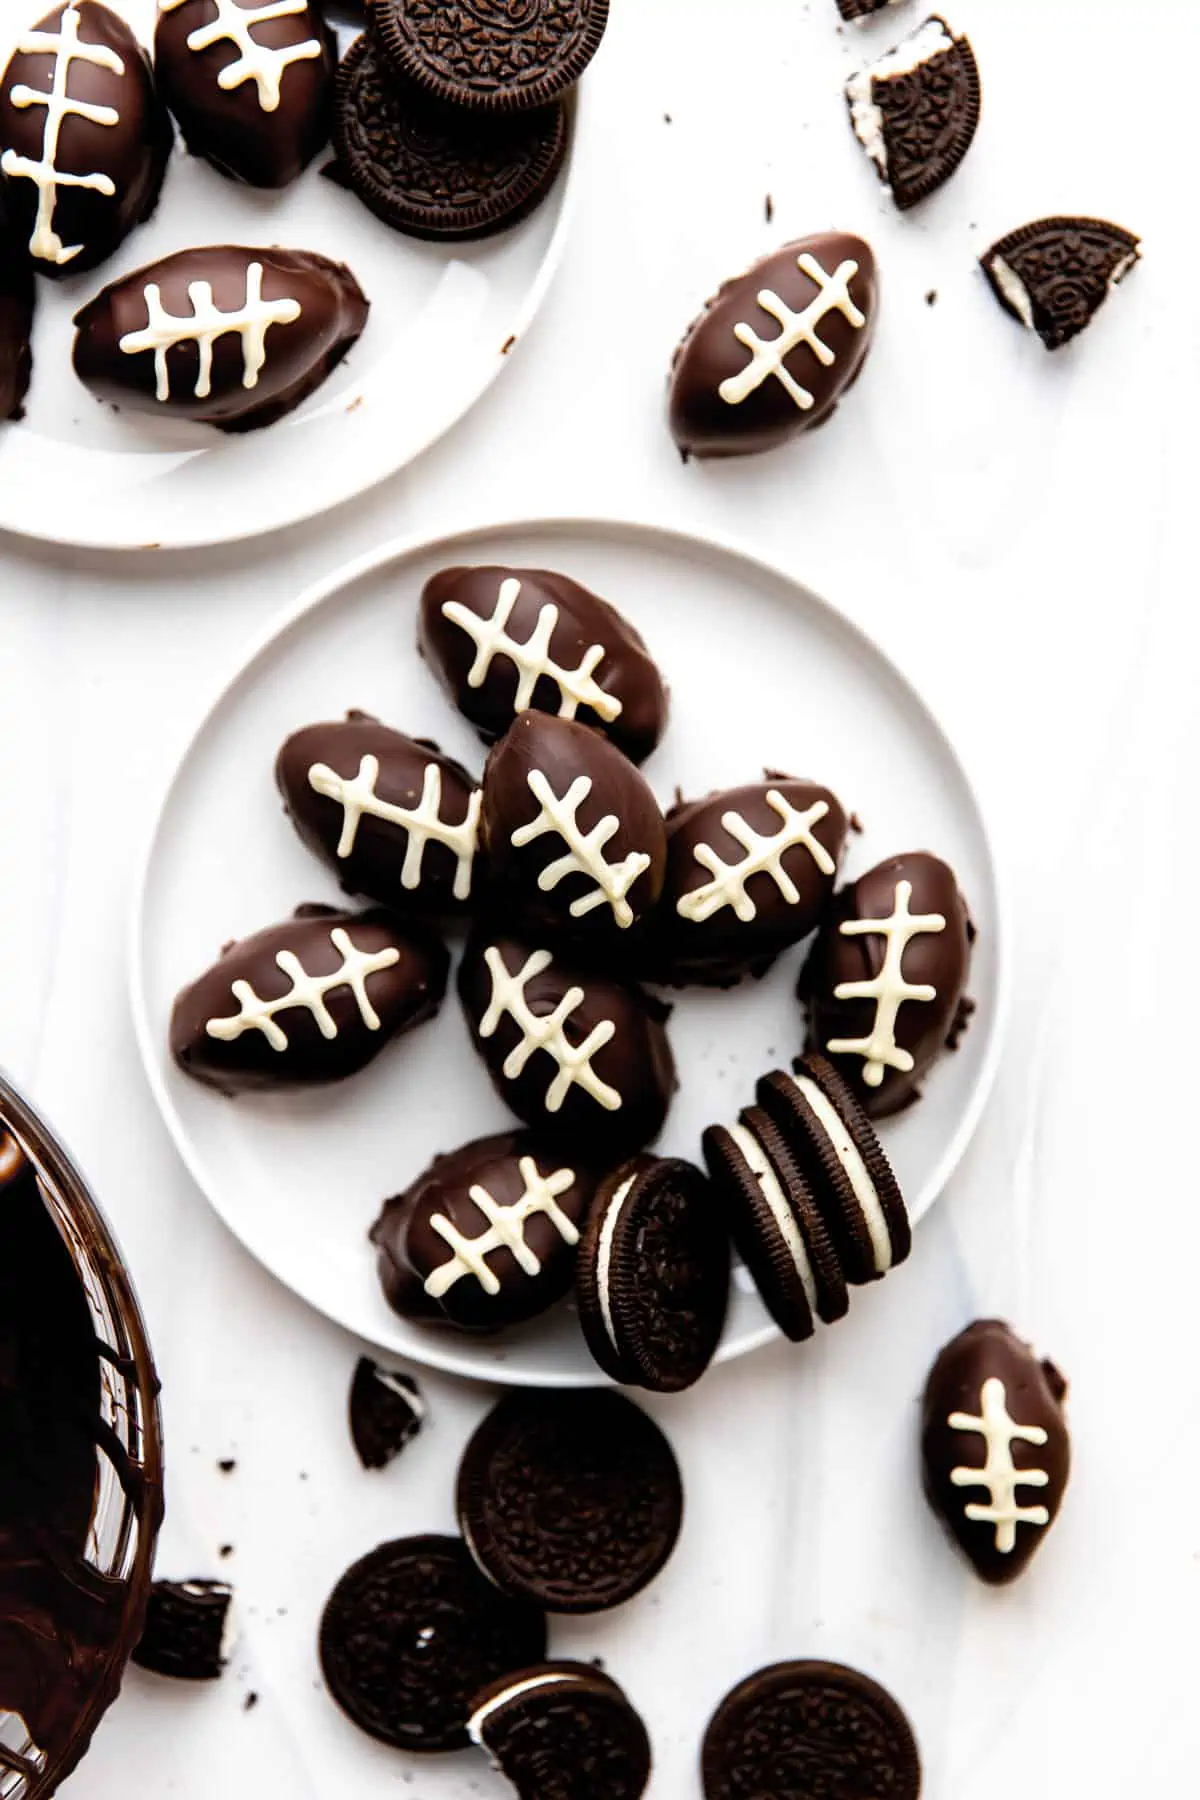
(835, 1145)
(653, 1275)
(1054, 275)
(412, 1632)
(864, 9)
(776, 1224)
(569, 1501)
(433, 173)
(387, 1411)
(186, 1630)
(492, 58)
(565, 1730)
(800, 1729)
(916, 111)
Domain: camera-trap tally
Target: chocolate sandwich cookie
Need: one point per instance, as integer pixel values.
(776, 1224)
(864, 9)
(572, 1501)
(387, 1410)
(563, 1731)
(433, 173)
(1055, 274)
(653, 1275)
(835, 1144)
(490, 56)
(17, 302)
(800, 1730)
(186, 1631)
(412, 1632)
(916, 111)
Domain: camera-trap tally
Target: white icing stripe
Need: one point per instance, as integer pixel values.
(850, 1157)
(308, 991)
(867, 118)
(546, 1031)
(999, 1473)
(259, 63)
(768, 355)
(532, 660)
(604, 1258)
(505, 1231)
(478, 1720)
(585, 849)
(203, 326)
(890, 990)
(424, 823)
(772, 1192)
(764, 856)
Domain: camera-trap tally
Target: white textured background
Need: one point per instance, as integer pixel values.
(1022, 528)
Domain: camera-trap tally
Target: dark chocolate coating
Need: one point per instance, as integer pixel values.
(528, 782)
(621, 1094)
(630, 691)
(703, 422)
(941, 959)
(403, 993)
(720, 947)
(262, 131)
(299, 351)
(1032, 1396)
(384, 861)
(17, 300)
(127, 154)
(411, 1249)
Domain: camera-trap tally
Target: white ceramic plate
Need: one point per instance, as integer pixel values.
(762, 674)
(443, 322)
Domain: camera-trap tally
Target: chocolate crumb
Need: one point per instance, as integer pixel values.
(227, 1465)
(931, 298)
(250, 1702)
(225, 1551)
(769, 209)
(509, 344)
(667, 119)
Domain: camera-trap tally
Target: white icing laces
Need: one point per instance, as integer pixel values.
(999, 1474)
(506, 1231)
(204, 325)
(889, 989)
(423, 823)
(547, 1033)
(585, 850)
(67, 48)
(768, 356)
(764, 856)
(307, 991)
(532, 659)
(254, 62)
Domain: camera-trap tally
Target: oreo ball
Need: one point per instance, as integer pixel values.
(17, 301)
(485, 1237)
(502, 641)
(576, 844)
(254, 103)
(583, 1058)
(390, 815)
(995, 1450)
(309, 1001)
(775, 350)
(884, 984)
(84, 139)
(226, 336)
(749, 871)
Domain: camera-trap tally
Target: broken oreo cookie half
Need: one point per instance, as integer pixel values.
(916, 111)
(563, 1729)
(186, 1631)
(1054, 275)
(387, 1410)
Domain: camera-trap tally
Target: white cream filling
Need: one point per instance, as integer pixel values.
(478, 1720)
(1013, 289)
(604, 1257)
(850, 1157)
(867, 118)
(772, 1192)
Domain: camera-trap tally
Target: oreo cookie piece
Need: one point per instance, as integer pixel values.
(653, 1275)
(433, 173)
(185, 1634)
(802, 1729)
(915, 111)
(864, 9)
(493, 58)
(411, 1632)
(570, 1501)
(1055, 274)
(776, 1224)
(387, 1411)
(565, 1730)
(835, 1144)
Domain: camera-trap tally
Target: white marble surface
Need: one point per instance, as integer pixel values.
(1021, 529)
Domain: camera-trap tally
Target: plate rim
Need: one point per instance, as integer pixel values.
(443, 1353)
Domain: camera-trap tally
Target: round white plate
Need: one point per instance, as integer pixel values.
(444, 320)
(763, 674)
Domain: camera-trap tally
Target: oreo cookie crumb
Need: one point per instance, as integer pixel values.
(769, 209)
(250, 1702)
(185, 1629)
(227, 1465)
(387, 1411)
(931, 298)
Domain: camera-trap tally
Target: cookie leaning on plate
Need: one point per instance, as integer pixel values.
(500, 59)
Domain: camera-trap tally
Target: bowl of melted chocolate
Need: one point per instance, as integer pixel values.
(80, 1460)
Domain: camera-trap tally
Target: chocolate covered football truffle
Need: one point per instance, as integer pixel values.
(884, 986)
(226, 336)
(749, 871)
(583, 1058)
(84, 140)
(777, 348)
(251, 84)
(916, 111)
(575, 841)
(502, 641)
(390, 815)
(16, 319)
(312, 1000)
(486, 1237)
(995, 1449)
